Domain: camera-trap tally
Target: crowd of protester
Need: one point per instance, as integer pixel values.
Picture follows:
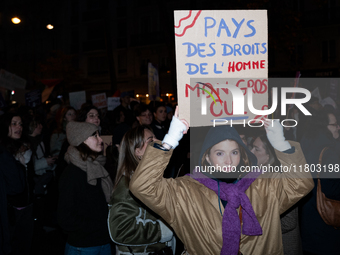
(139, 199)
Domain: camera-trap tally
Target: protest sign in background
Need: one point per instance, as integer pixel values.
(107, 141)
(223, 45)
(153, 80)
(77, 99)
(33, 98)
(11, 81)
(99, 100)
(112, 103)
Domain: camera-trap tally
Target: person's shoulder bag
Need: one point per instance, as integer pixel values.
(329, 209)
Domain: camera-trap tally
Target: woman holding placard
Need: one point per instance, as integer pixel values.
(206, 210)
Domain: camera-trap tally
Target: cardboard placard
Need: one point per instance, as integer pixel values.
(107, 141)
(99, 100)
(217, 48)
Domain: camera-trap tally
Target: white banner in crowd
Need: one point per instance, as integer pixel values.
(112, 103)
(77, 99)
(99, 100)
(11, 81)
(316, 93)
(224, 45)
(153, 79)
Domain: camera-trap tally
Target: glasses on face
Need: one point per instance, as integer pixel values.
(92, 116)
(335, 124)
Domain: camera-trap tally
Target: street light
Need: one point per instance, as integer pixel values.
(49, 26)
(16, 20)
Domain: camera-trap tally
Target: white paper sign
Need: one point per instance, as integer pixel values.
(213, 45)
(11, 81)
(316, 93)
(77, 99)
(99, 100)
(328, 100)
(112, 103)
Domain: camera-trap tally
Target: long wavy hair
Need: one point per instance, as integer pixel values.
(61, 125)
(127, 160)
(273, 160)
(84, 111)
(13, 146)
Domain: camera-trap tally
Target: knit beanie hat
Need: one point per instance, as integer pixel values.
(78, 132)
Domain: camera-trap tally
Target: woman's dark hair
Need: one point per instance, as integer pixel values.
(155, 105)
(273, 160)
(84, 111)
(116, 116)
(13, 146)
(86, 152)
(134, 104)
(127, 160)
(31, 123)
(61, 125)
(317, 124)
(140, 109)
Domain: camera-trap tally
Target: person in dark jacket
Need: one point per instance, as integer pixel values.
(84, 192)
(207, 208)
(125, 108)
(16, 228)
(11, 182)
(132, 226)
(291, 239)
(158, 123)
(143, 115)
(317, 236)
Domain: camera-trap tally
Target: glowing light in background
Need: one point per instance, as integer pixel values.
(16, 20)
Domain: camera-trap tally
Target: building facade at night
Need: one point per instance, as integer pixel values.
(106, 45)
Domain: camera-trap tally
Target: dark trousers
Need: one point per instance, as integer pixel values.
(22, 230)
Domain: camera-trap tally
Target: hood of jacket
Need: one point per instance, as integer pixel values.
(218, 134)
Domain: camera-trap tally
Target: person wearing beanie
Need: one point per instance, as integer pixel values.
(84, 192)
(208, 208)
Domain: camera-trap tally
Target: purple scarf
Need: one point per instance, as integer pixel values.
(235, 196)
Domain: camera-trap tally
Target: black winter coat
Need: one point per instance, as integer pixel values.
(317, 236)
(12, 181)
